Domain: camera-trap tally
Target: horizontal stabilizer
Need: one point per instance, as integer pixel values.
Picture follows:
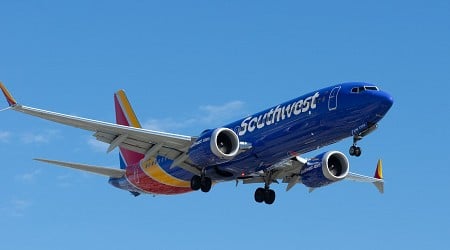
(110, 172)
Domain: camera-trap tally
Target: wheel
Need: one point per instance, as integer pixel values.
(269, 196)
(352, 150)
(260, 195)
(357, 151)
(205, 184)
(196, 182)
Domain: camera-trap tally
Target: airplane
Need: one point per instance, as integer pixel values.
(264, 148)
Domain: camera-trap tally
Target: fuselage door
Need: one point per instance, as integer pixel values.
(332, 100)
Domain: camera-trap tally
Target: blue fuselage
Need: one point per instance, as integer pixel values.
(304, 124)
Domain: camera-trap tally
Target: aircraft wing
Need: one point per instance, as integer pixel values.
(377, 180)
(109, 172)
(147, 142)
(288, 172)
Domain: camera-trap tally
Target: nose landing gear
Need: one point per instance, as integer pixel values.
(355, 151)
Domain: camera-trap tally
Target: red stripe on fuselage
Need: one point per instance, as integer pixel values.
(138, 178)
(134, 173)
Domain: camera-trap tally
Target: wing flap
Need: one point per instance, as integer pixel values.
(286, 170)
(105, 171)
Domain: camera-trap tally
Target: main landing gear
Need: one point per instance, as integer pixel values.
(201, 182)
(265, 194)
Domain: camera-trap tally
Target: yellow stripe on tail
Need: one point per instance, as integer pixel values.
(127, 109)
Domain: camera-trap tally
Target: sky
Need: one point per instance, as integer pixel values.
(191, 65)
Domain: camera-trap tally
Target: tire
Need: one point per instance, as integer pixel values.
(269, 196)
(352, 150)
(206, 184)
(259, 195)
(358, 152)
(195, 182)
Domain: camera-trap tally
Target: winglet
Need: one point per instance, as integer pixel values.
(379, 175)
(11, 101)
(379, 170)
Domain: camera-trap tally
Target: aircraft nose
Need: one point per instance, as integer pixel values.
(387, 100)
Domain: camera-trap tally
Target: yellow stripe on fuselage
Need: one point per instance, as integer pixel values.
(152, 169)
(132, 119)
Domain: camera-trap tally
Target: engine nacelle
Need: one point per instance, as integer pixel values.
(214, 147)
(325, 169)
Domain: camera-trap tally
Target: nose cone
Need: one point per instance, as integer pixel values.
(386, 100)
(383, 102)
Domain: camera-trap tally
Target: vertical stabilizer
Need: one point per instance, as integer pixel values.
(126, 116)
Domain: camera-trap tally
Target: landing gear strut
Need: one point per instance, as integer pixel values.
(201, 182)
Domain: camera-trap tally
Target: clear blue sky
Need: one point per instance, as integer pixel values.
(191, 65)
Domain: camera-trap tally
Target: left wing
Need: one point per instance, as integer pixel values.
(147, 142)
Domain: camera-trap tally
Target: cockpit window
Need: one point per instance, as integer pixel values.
(371, 88)
(355, 90)
(364, 88)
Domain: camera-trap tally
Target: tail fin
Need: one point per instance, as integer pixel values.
(126, 116)
(379, 175)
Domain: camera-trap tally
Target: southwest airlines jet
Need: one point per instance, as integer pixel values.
(264, 148)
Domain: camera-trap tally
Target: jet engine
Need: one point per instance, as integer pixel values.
(214, 147)
(324, 169)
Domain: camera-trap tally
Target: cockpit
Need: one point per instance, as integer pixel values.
(364, 88)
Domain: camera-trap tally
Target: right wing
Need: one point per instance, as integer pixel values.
(288, 171)
(147, 142)
(377, 180)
